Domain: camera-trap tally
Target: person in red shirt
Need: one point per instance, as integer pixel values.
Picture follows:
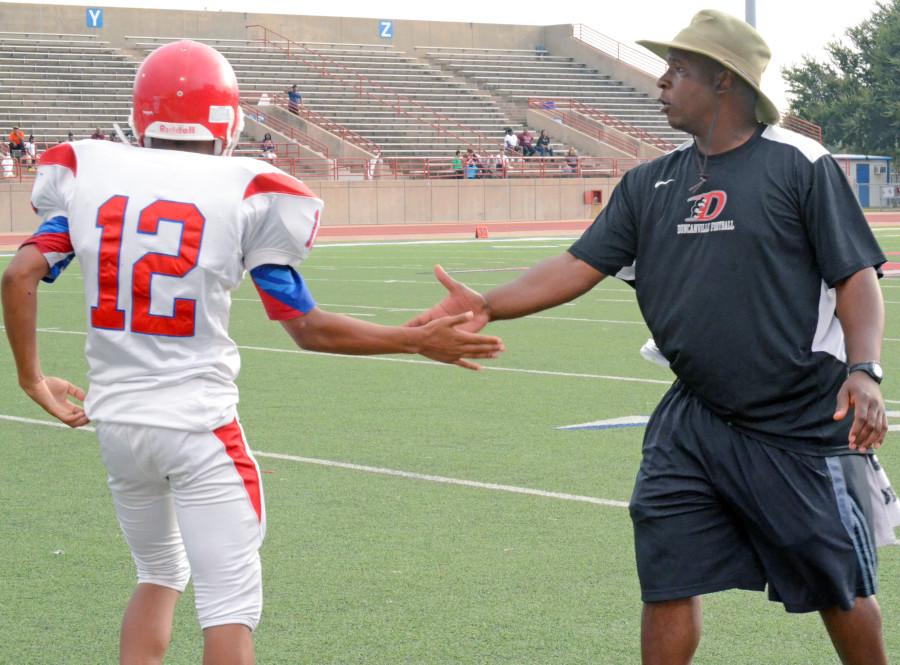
(526, 142)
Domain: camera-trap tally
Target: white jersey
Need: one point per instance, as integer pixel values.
(162, 238)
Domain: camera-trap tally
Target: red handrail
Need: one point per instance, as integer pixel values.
(597, 130)
(642, 60)
(603, 118)
(343, 133)
(254, 112)
(254, 149)
(395, 168)
(365, 85)
(430, 168)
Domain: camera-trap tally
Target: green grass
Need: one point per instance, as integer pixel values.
(365, 568)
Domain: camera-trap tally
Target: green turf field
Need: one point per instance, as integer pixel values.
(363, 567)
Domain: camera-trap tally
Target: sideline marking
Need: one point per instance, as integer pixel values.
(396, 243)
(610, 423)
(413, 361)
(409, 475)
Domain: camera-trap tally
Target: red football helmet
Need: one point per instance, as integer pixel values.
(187, 91)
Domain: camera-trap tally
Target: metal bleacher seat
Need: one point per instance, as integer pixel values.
(403, 92)
(518, 75)
(54, 83)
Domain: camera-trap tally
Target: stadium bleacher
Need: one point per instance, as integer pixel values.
(51, 84)
(517, 75)
(423, 104)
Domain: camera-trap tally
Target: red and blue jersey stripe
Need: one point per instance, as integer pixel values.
(283, 292)
(53, 241)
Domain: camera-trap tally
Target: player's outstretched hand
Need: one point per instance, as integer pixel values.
(446, 339)
(870, 423)
(53, 393)
(460, 298)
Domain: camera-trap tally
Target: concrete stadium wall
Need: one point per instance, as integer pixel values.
(405, 201)
(119, 22)
(359, 202)
(16, 215)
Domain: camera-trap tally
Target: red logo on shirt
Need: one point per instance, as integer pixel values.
(706, 207)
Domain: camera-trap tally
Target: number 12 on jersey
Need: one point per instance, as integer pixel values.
(111, 219)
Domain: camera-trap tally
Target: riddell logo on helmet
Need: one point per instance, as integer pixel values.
(176, 130)
(707, 206)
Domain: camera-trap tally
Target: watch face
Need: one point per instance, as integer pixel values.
(873, 369)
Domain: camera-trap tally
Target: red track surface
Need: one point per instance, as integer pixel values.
(10, 241)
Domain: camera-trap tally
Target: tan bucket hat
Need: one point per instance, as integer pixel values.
(731, 42)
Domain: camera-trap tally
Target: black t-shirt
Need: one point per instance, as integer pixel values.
(735, 278)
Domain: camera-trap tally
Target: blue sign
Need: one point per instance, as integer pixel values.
(386, 29)
(94, 17)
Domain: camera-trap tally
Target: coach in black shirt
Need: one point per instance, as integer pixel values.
(757, 275)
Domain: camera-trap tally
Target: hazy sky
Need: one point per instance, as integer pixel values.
(792, 28)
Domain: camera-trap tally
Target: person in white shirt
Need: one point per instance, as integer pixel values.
(510, 142)
(162, 239)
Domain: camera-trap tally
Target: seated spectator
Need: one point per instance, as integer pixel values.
(473, 164)
(7, 163)
(70, 137)
(510, 142)
(501, 163)
(457, 165)
(30, 153)
(526, 142)
(571, 163)
(294, 99)
(543, 145)
(268, 147)
(98, 135)
(16, 143)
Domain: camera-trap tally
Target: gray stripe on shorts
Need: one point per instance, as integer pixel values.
(863, 541)
(854, 523)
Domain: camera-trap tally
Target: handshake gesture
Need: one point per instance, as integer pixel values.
(454, 322)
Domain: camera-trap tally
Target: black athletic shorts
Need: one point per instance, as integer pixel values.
(715, 509)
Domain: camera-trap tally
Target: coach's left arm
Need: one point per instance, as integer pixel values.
(860, 309)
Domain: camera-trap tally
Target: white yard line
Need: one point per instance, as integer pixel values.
(397, 243)
(382, 471)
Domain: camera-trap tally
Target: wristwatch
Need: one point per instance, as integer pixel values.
(873, 369)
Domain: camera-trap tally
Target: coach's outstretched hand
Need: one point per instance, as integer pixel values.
(460, 298)
(52, 394)
(446, 339)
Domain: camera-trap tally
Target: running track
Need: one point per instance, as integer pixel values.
(9, 241)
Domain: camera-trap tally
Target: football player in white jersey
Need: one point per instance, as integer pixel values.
(163, 234)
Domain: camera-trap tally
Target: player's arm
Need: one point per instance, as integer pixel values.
(860, 309)
(287, 299)
(441, 339)
(19, 294)
(547, 284)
